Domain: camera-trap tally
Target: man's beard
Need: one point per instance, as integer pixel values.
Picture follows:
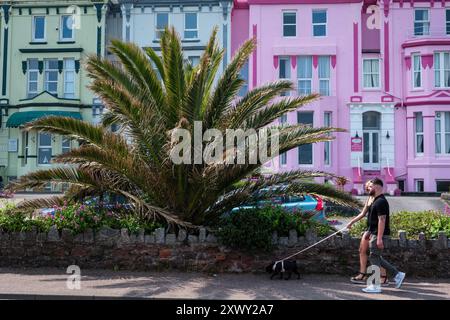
(372, 192)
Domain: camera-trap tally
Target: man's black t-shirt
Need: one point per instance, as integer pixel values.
(379, 207)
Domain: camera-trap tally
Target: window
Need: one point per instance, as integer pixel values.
(442, 132)
(66, 30)
(442, 69)
(190, 25)
(417, 71)
(442, 185)
(97, 107)
(32, 78)
(304, 74)
(327, 145)
(284, 71)
(194, 60)
(305, 152)
(65, 144)
(51, 76)
(421, 22)
(25, 147)
(69, 78)
(162, 21)
(419, 185)
(419, 133)
(319, 20)
(371, 73)
(324, 75)
(44, 148)
(289, 24)
(283, 156)
(447, 21)
(39, 28)
(244, 76)
(401, 185)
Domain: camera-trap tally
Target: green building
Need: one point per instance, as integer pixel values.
(43, 45)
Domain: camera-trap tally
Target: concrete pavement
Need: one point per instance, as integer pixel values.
(168, 285)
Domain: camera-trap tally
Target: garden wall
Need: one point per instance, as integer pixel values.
(116, 249)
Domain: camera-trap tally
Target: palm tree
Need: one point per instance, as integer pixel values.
(147, 97)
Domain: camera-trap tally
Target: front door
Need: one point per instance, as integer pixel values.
(371, 149)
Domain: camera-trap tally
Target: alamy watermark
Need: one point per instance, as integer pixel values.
(73, 281)
(211, 147)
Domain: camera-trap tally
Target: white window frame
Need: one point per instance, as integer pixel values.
(439, 73)
(424, 22)
(25, 147)
(61, 33)
(443, 134)
(44, 147)
(31, 94)
(416, 185)
(47, 72)
(65, 149)
(288, 24)
(69, 95)
(33, 29)
(244, 74)
(283, 156)
(190, 30)
(327, 122)
(320, 23)
(447, 22)
(191, 58)
(158, 31)
(304, 79)
(325, 79)
(417, 134)
(372, 73)
(414, 71)
(308, 165)
(288, 70)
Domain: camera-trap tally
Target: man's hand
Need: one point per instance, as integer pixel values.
(349, 226)
(380, 244)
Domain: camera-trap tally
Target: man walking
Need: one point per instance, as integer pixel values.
(378, 227)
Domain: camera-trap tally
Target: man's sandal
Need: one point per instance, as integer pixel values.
(360, 278)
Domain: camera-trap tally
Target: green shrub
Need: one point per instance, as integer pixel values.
(252, 229)
(428, 222)
(247, 229)
(75, 217)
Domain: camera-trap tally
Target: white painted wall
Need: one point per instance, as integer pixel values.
(142, 25)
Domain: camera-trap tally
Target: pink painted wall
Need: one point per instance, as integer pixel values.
(347, 35)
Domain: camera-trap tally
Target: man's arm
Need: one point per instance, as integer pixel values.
(360, 216)
(381, 225)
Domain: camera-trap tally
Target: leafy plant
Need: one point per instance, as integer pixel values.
(428, 222)
(148, 97)
(252, 229)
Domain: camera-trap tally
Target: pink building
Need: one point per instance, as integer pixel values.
(383, 70)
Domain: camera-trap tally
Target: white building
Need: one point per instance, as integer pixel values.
(141, 22)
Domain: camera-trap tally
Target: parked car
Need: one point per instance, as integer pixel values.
(307, 203)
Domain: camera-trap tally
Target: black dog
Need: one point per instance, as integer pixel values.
(289, 266)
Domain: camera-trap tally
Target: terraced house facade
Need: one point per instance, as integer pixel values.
(142, 21)
(43, 45)
(382, 68)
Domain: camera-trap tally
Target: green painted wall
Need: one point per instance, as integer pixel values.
(20, 47)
